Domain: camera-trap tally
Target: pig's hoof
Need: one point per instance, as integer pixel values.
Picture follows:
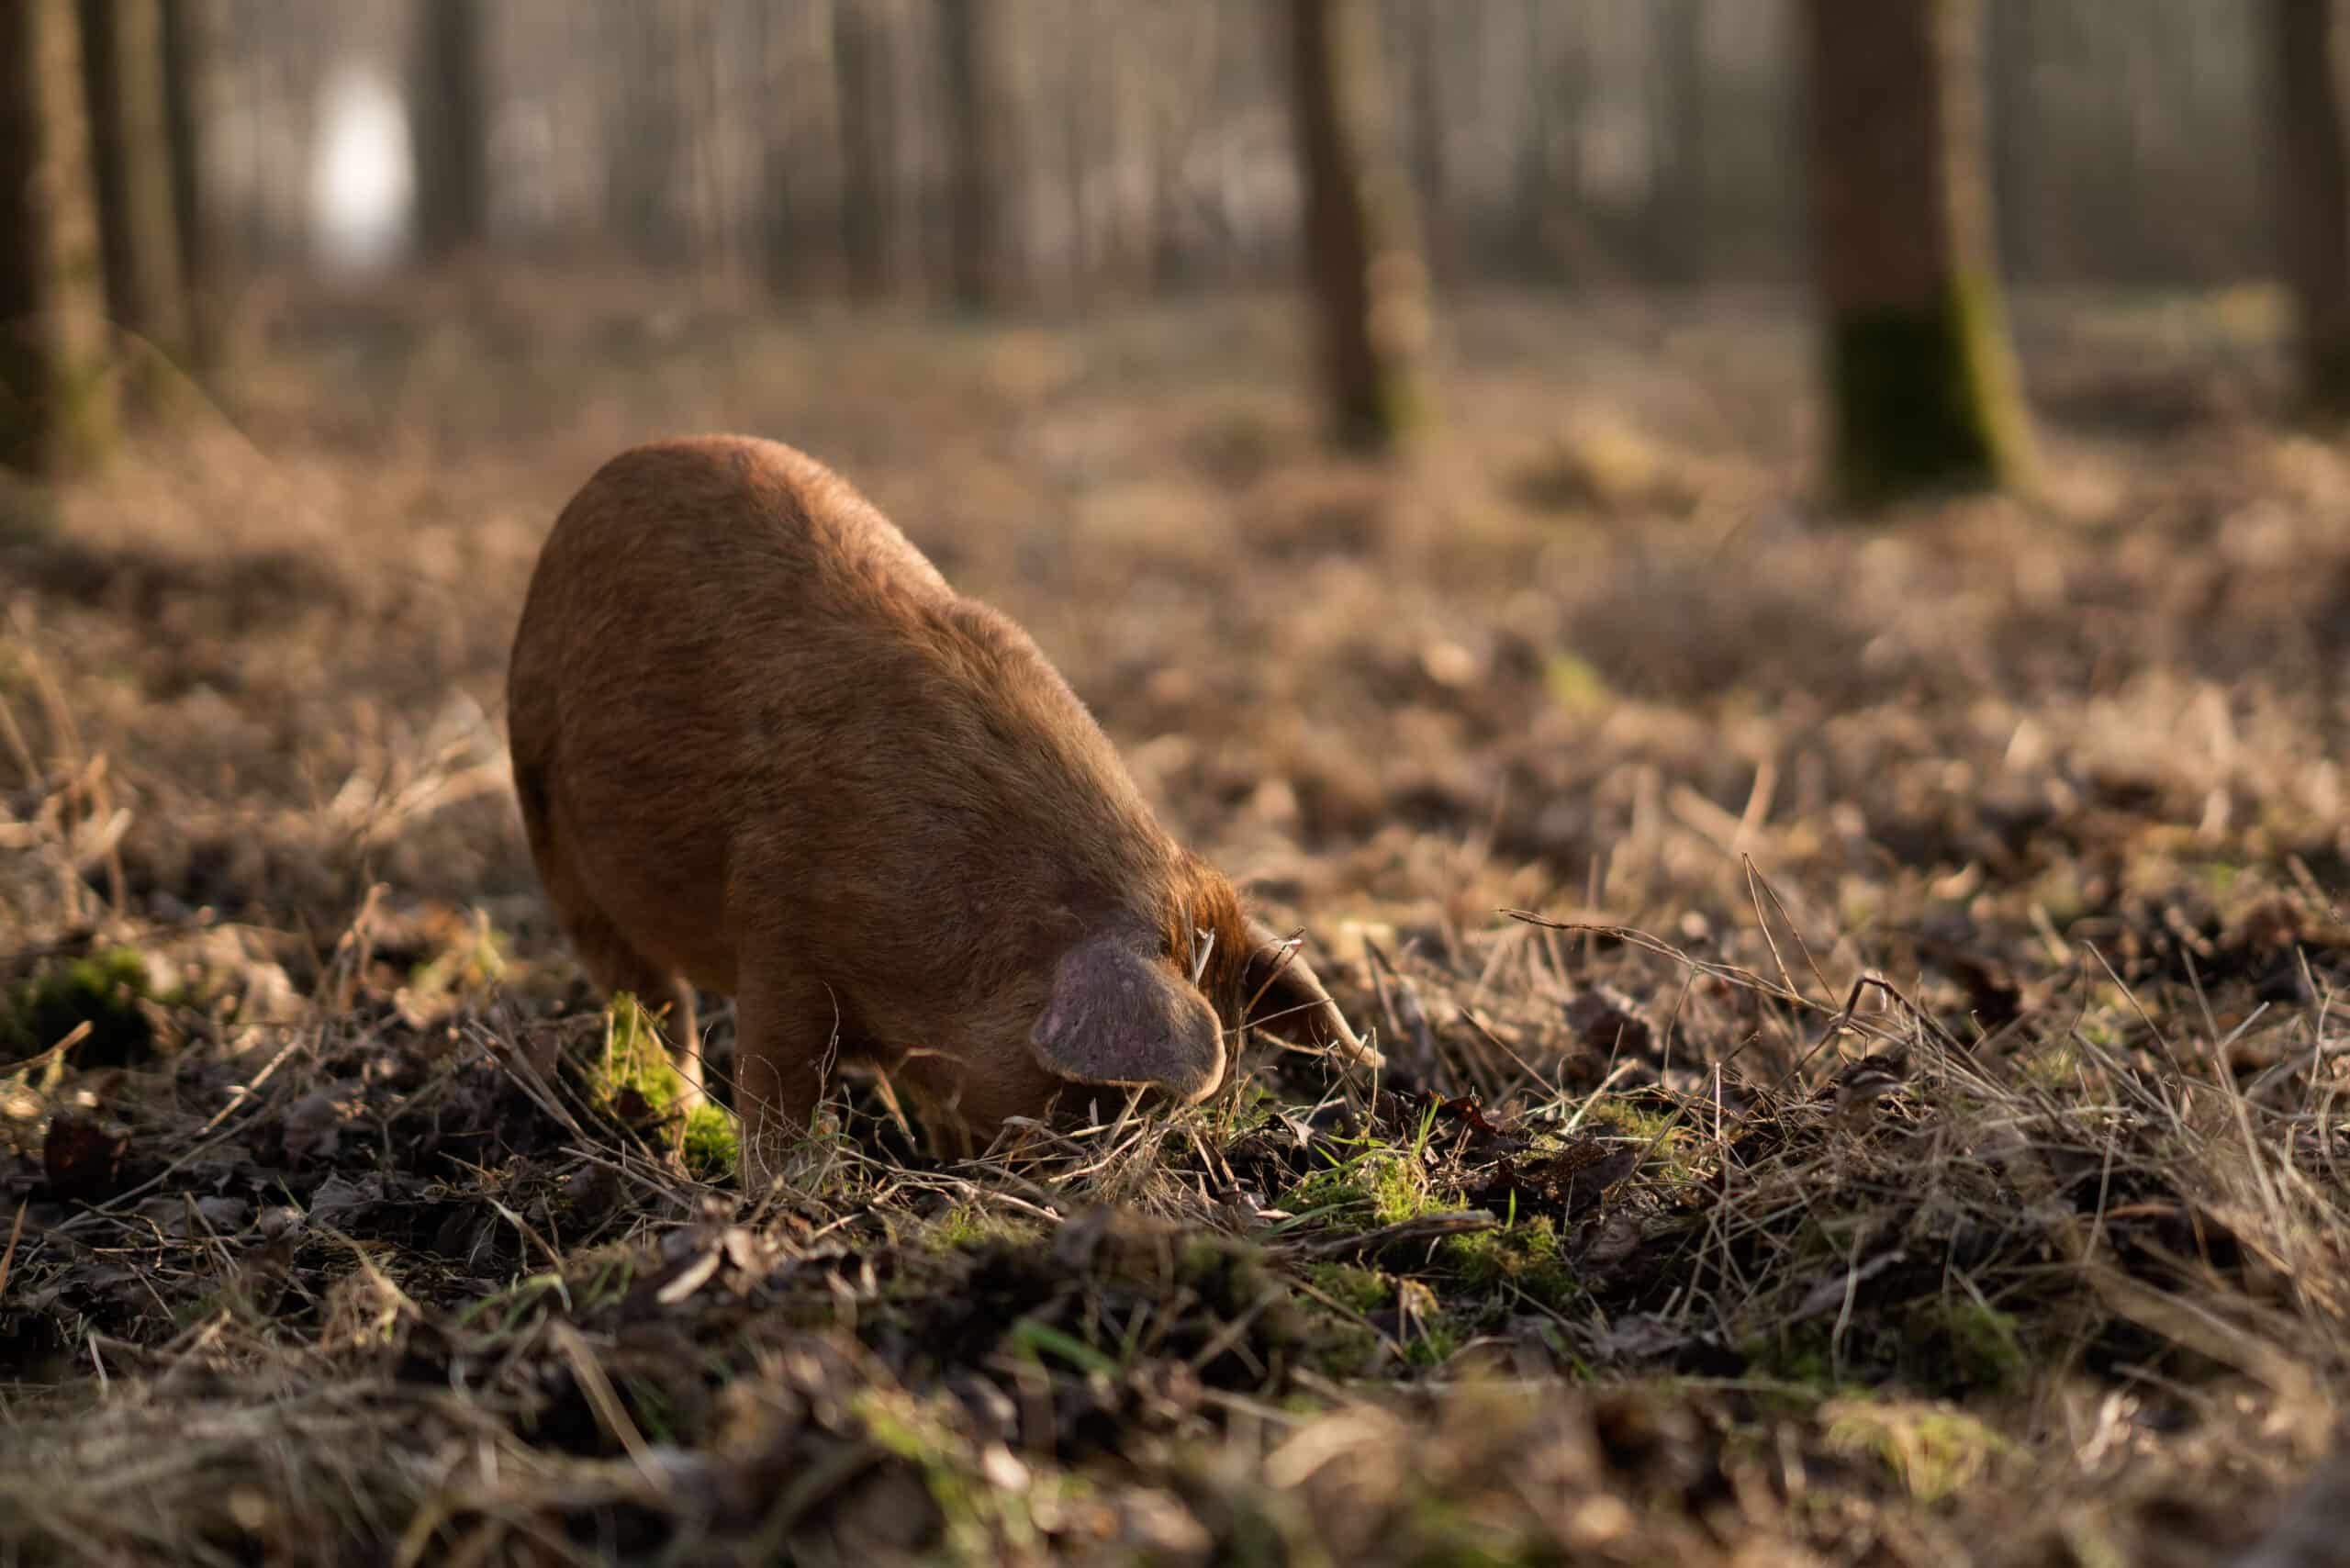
(787, 1162)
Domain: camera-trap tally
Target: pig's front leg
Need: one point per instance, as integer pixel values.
(786, 1034)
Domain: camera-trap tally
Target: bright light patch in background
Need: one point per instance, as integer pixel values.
(362, 184)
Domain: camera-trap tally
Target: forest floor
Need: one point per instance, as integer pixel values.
(1911, 1133)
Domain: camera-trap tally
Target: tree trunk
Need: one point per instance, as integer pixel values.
(1078, 139)
(2016, 139)
(647, 181)
(1921, 383)
(1530, 158)
(57, 394)
(191, 53)
(2313, 196)
(1426, 36)
(865, 90)
(1677, 205)
(1370, 285)
(448, 127)
(130, 168)
(1175, 61)
(977, 125)
(800, 167)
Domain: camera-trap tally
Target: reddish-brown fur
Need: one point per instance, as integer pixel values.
(763, 749)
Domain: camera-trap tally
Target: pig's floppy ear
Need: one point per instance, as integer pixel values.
(1119, 1015)
(1284, 997)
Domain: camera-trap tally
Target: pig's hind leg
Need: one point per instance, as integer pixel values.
(616, 966)
(612, 961)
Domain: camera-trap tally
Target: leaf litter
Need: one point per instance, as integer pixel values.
(1907, 1130)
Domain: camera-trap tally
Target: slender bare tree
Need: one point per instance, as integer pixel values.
(57, 392)
(1423, 48)
(1549, 167)
(448, 125)
(191, 102)
(1922, 390)
(865, 88)
(122, 70)
(2313, 196)
(979, 111)
(799, 150)
(1677, 106)
(648, 186)
(1363, 264)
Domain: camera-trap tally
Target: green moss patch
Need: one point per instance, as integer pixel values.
(105, 990)
(1933, 1450)
(636, 1080)
(1521, 1261)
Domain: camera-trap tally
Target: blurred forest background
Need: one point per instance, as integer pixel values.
(1090, 148)
(1768, 580)
(1062, 155)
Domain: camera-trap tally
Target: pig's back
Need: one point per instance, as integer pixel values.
(727, 526)
(731, 664)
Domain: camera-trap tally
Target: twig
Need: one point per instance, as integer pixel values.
(8, 1253)
(1426, 1227)
(601, 1396)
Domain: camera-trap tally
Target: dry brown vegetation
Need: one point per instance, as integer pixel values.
(1910, 1132)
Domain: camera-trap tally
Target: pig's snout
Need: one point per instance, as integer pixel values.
(1119, 1014)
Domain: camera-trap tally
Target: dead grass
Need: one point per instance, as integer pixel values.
(1903, 1126)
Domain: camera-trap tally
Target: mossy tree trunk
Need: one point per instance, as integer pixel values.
(1921, 386)
(191, 58)
(449, 127)
(131, 166)
(1369, 282)
(2313, 196)
(57, 394)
